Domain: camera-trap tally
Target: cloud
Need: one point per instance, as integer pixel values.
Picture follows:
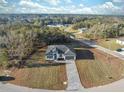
(68, 1)
(80, 9)
(109, 5)
(81, 5)
(57, 2)
(3, 2)
(108, 8)
(118, 1)
(53, 2)
(5, 8)
(105, 8)
(85, 10)
(31, 7)
(34, 7)
(56, 6)
(30, 4)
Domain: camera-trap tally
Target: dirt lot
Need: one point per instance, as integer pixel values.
(99, 70)
(51, 77)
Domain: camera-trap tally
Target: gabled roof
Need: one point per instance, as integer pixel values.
(61, 49)
(69, 52)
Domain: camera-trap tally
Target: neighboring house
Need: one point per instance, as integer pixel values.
(60, 53)
(56, 25)
(120, 41)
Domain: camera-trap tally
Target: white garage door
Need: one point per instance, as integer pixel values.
(69, 57)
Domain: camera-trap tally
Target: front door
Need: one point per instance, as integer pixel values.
(60, 57)
(55, 56)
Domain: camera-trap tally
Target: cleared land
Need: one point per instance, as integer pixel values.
(69, 29)
(39, 74)
(110, 44)
(77, 33)
(51, 77)
(100, 69)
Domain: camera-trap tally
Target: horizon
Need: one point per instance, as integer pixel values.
(84, 7)
(59, 14)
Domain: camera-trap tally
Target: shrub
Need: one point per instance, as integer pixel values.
(4, 59)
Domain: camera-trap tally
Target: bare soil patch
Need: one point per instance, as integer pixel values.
(101, 70)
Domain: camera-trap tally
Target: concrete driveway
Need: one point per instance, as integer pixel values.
(74, 83)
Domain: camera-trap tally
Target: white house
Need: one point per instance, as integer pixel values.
(56, 25)
(120, 41)
(60, 53)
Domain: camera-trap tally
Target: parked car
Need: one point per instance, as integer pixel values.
(119, 50)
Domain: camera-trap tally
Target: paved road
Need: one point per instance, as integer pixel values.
(14, 88)
(74, 83)
(92, 44)
(117, 86)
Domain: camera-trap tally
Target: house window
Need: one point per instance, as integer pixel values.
(50, 56)
(60, 56)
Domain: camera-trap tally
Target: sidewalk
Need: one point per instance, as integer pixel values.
(74, 83)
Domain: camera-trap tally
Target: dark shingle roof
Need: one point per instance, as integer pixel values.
(61, 48)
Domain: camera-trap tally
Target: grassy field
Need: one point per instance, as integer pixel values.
(110, 44)
(39, 74)
(69, 29)
(38, 57)
(75, 32)
(100, 70)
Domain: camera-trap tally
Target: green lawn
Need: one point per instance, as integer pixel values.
(110, 44)
(1, 72)
(69, 29)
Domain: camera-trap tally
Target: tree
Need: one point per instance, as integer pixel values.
(4, 61)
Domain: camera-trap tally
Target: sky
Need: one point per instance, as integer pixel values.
(105, 7)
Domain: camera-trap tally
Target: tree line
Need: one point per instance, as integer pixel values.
(102, 27)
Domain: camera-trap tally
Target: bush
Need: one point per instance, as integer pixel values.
(4, 59)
